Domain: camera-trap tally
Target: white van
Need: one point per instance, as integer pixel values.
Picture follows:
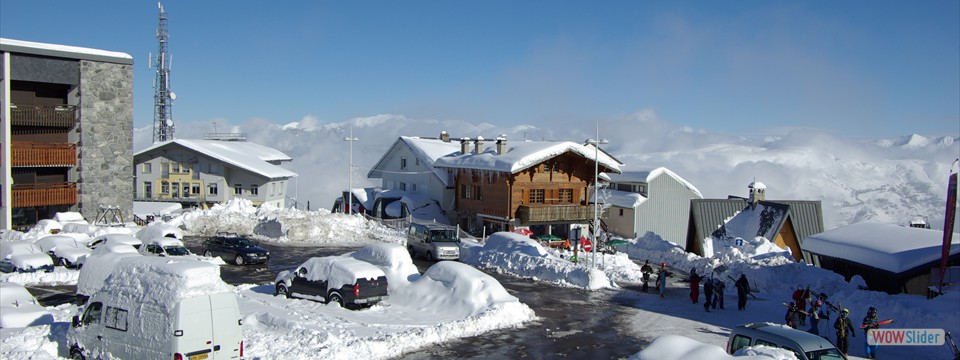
(159, 308)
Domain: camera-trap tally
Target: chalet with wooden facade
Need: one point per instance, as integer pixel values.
(539, 184)
(66, 131)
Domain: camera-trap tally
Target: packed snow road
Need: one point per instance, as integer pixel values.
(572, 323)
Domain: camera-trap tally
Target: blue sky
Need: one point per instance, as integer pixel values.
(862, 68)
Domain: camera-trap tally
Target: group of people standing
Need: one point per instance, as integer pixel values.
(712, 290)
(662, 275)
(821, 309)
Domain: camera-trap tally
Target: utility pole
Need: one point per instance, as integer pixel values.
(162, 96)
(596, 191)
(348, 200)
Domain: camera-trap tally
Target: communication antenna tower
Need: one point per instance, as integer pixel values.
(162, 96)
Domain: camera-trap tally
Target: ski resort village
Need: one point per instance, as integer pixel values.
(388, 236)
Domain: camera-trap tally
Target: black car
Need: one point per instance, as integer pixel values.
(346, 281)
(235, 248)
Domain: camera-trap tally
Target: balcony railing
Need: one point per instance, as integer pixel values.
(28, 195)
(28, 153)
(550, 213)
(62, 116)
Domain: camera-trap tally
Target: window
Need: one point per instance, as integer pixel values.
(466, 191)
(273, 188)
(175, 187)
(195, 189)
(254, 190)
(536, 196)
(403, 163)
(566, 195)
(92, 314)
(237, 189)
(164, 187)
(147, 189)
(403, 186)
(739, 342)
(186, 189)
(477, 194)
(413, 187)
(147, 168)
(212, 189)
(175, 168)
(766, 343)
(621, 212)
(115, 318)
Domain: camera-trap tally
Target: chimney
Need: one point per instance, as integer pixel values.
(501, 145)
(444, 136)
(478, 145)
(464, 145)
(757, 192)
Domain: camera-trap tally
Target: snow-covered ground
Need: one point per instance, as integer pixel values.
(451, 300)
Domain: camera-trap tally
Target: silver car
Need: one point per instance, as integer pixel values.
(433, 241)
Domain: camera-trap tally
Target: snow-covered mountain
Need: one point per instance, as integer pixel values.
(875, 180)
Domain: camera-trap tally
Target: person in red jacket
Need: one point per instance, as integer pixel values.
(800, 299)
(694, 285)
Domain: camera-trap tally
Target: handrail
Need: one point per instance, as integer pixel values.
(43, 115)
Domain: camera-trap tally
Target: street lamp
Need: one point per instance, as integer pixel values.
(349, 197)
(596, 190)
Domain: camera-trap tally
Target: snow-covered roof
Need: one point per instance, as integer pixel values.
(429, 150)
(647, 175)
(64, 51)
(764, 220)
(521, 155)
(889, 247)
(757, 185)
(242, 154)
(624, 199)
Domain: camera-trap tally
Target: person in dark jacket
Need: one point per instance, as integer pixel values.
(792, 318)
(662, 280)
(814, 314)
(871, 321)
(646, 270)
(743, 288)
(695, 286)
(707, 293)
(718, 287)
(844, 329)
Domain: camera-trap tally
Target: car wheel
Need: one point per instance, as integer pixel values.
(430, 256)
(335, 297)
(208, 253)
(282, 290)
(413, 253)
(238, 260)
(76, 354)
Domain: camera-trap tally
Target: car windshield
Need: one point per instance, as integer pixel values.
(443, 236)
(824, 354)
(176, 250)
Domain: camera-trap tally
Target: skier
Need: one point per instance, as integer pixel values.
(695, 286)
(800, 297)
(707, 293)
(825, 314)
(718, 287)
(743, 288)
(871, 322)
(646, 269)
(662, 279)
(844, 328)
(815, 316)
(793, 315)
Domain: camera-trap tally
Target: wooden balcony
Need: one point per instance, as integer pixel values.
(27, 195)
(61, 116)
(28, 153)
(542, 213)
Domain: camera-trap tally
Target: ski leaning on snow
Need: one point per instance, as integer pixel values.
(881, 322)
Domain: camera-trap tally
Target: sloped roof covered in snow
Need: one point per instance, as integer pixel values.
(888, 247)
(764, 220)
(708, 215)
(427, 150)
(647, 175)
(624, 199)
(521, 155)
(249, 156)
(64, 51)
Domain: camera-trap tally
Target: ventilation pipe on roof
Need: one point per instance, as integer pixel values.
(478, 145)
(501, 144)
(464, 145)
(444, 136)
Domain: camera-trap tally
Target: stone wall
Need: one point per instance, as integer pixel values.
(106, 138)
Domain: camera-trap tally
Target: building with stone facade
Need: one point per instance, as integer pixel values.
(66, 130)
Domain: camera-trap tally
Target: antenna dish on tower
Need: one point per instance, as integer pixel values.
(173, 96)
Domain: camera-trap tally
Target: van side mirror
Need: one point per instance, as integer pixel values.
(76, 321)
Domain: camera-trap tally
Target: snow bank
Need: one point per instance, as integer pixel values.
(394, 260)
(69, 217)
(669, 347)
(164, 281)
(455, 289)
(517, 254)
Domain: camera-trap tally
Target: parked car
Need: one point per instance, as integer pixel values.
(164, 246)
(65, 250)
(805, 346)
(235, 248)
(344, 280)
(23, 256)
(159, 308)
(18, 308)
(433, 241)
(115, 239)
(98, 266)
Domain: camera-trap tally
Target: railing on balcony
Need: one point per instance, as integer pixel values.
(549, 213)
(27, 195)
(63, 116)
(28, 153)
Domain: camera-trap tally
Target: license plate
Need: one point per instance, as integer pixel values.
(198, 357)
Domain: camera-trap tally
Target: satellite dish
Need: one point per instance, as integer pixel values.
(173, 96)
(169, 122)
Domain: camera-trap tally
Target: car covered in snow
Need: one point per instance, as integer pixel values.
(804, 345)
(164, 246)
(433, 241)
(115, 239)
(23, 256)
(335, 279)
(65, 250)
(18, 308)
(236, 249)
(99, 265)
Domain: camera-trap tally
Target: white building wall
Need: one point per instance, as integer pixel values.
(667, 210)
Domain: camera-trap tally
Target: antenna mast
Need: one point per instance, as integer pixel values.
(162, 96)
